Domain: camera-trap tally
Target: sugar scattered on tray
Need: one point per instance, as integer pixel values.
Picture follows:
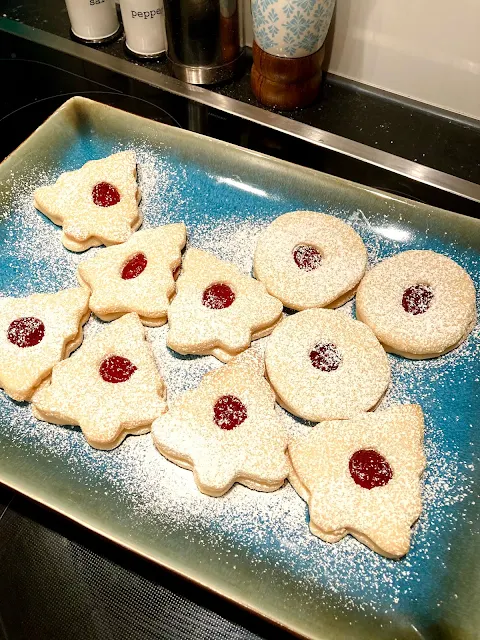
(268, 531)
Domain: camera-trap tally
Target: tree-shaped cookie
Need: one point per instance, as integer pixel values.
(36, 332)
(218, 310)
(97, 204)
(110, 387)
(227, 430)
(362, 476)
(136, 276)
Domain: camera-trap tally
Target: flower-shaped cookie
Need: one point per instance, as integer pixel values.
(362, 476)
(227, 430)
(323, 365)
(37, 332)
(136, 276)
(419, 304)
(97, 204)
(110, 387)
(217, 309)
(310, 259)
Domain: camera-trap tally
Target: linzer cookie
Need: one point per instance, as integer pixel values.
(324, 365)
(310, 259)
(218, 310)
(110, 387)
(136, 276)
(362, 476)
(419, 304)
(36, 332)
(97, 204)
(226, 430)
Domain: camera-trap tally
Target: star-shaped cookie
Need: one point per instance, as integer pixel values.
(226, 430)
(362, 476)
(218, 310)
(36, 332)
(96, 204)
(110, 387)
(136, 276)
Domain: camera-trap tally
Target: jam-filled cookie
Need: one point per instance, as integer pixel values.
(218, 310)
(310, 259)
(419, 304)
(226, 430)
(324, 365)
(362, 476)
(110, 387)
(36, 332)
(97, 204)
(136, 276)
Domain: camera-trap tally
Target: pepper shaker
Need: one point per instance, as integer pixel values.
(144, 25)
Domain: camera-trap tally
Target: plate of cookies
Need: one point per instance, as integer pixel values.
(262, 377)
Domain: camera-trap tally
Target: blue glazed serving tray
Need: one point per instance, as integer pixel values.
(253, 548)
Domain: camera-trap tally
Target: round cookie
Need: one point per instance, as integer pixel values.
(309, 259)
(323, 365)
(419, 304)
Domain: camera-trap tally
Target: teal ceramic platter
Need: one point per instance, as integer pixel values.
(253, 548)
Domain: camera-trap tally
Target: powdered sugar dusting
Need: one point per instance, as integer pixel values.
(266, 533)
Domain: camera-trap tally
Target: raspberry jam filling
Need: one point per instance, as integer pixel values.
(369, 469)
(417, 299)
(26, 332)
(307, 257)
(229, 412)
(117, 369)
(105, 194)
(325, 357)
(218, 296)
(134, 267)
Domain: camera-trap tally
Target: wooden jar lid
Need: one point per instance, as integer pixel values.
(286, 83)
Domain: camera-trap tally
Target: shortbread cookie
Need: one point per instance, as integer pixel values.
(110, 387)
(37, 332)
(419, 304)
(324, 365)
(136, 276)
(97, 204)
(362, 476)
(217, 309)
(226, 430)
(310, 259)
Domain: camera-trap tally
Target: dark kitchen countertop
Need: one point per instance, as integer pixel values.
(409, 129)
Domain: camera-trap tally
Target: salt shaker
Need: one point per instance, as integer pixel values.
(144, 24)
(93, 21)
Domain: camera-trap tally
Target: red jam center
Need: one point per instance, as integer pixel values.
(369, 469)
(307, 257)
(229, 412)
(218, 296)
(417, 299)
(105, 194)
(117, 369)
(134, 267)
(176, 272)
(26, 332)
(325, 357)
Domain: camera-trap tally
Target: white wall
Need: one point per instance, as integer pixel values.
(424, 49)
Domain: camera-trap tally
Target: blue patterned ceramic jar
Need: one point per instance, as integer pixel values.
(291, 28)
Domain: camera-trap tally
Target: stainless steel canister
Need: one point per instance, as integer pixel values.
(204, 42)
